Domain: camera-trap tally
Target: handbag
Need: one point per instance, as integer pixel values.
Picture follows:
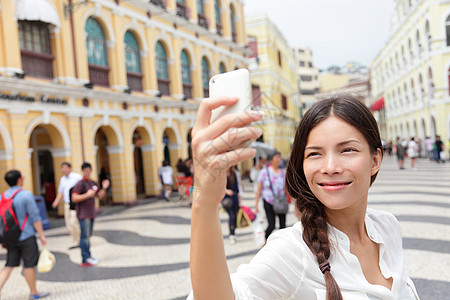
(280, 202)
(242, 219)
(227, 202)
(46, 261)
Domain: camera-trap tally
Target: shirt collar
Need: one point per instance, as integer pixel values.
(338, 237)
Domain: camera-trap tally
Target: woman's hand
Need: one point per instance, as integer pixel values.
(229, 192)
(217, 146)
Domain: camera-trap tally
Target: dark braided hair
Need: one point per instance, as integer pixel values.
(313, 217)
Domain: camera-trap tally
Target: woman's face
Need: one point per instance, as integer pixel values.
(338, 164)
(276, 161)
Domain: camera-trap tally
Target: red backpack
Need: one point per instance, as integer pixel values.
(10, 229)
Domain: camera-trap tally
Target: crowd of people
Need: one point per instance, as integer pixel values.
(434, 149)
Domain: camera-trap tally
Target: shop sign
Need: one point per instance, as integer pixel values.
(41, 99)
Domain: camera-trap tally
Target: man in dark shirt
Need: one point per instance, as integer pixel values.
(83, 195)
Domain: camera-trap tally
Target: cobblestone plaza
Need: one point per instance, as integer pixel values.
(144, 249)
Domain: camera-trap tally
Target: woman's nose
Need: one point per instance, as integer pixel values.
(331, 165)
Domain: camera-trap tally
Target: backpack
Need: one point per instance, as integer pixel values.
(72, 204)
(10, 229)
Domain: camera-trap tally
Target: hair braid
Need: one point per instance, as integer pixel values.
(316, 237)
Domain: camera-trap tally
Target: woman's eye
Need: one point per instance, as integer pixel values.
(349, 150)
(312, 154)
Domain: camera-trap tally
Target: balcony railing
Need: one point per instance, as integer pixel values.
(134, 81)
(163, 86)
(98, 75)
(219, 28)
(37, 64)
(187, 90)
(183, 11)
(160, 3)
(203, 21)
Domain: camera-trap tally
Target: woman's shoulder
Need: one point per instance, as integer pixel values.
(386, 225)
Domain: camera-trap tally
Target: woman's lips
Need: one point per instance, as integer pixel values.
(334, 186)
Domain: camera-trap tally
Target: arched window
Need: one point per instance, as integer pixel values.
(428, 35)
(419, 45)
(162, 70)
(405, 89)
(35, 49)
(133, 62)
(186, 74)
(96, 52)
(222, 68)
(403, 57)
(421, 90)
(447, 28)
(233, 24)
(449, 81)
(399, 95)
(205, 77)
(217, 15)
(411, 53)
(202, 21)
(430, 84)
(413, 92)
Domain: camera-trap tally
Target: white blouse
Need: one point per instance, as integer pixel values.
(286, 269)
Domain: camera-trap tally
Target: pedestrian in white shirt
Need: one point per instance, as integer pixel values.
(339, 249)
(413, 152)
(165, 173)
(67, 181)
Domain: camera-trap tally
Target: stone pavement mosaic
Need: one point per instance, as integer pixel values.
(144, 249)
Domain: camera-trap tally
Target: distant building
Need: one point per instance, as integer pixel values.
(307, 76)
(274, 82)
(411, 72)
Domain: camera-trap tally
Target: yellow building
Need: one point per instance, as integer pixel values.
(411, 72)
(274, 82)
(114, 83)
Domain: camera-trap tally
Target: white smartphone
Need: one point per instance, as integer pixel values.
(233, 84)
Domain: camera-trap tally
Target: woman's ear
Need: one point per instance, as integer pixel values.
(376, 161)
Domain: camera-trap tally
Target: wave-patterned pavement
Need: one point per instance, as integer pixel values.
(144, 249)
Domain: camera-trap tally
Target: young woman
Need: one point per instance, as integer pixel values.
(233, 191)
(339, 250)
(266, 189)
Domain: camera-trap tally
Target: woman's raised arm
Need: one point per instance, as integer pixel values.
(215, 146)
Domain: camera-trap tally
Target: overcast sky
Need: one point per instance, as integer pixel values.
(338, 31)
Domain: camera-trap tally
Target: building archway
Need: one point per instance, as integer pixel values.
(143, 162)
(189, 145)
(47, 151)
(108, 166)
(171, 146)
(433, 127)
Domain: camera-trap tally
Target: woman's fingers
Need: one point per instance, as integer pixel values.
(232, 139)
(229, 121)
(220, 163)
(206, 107)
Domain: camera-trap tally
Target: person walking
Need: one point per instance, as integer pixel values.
(413, 153)
(254, 172)
(400, 152)
(165, 174)
(26, 249)
(67, 181)
(438, 148)
(233, 191)
(429, 147)
(340, 249)
(271, 180)
(83, 194)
